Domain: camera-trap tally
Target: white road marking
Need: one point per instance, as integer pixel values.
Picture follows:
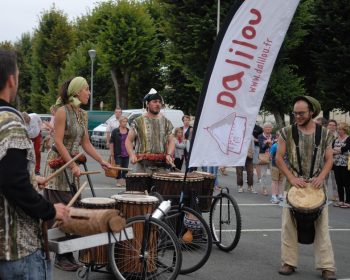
(278, 230)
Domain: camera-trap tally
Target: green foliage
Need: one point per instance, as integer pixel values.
(53, 41)
(330, 54)
(286, 81)
(190, 29)
(24, 59)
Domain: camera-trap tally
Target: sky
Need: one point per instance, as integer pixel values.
(21, 16)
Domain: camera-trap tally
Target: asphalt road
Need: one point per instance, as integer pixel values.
(257, 255)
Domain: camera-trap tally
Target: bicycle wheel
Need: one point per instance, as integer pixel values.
(160, 259)
(195, 252)
(225, 222)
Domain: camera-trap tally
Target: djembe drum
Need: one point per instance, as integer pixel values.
(131, 205)
(306, 206)
(138, 182)
(170, 185)
(96, 255)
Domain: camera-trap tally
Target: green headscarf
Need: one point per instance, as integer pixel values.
(75, 86)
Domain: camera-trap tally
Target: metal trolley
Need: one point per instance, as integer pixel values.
(154, 254)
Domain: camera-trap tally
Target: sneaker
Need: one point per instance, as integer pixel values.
(345, 205)
(253, 190)
(240, 189)
(123, 182)
(37, 173)
(280, 198)
(274, 200)
(63, 263)
(118, 185)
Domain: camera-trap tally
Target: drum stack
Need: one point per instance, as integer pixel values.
(97, 255)
(131, 205)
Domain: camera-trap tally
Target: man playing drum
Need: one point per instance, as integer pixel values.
(305, 168)
(152, 133)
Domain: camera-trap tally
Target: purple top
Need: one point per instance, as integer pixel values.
(124, 153)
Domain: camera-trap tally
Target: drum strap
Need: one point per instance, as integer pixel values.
(295, 135)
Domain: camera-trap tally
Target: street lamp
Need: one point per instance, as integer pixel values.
(92, 54)
(218, 18)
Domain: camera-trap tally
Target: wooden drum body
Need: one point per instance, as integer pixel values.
(138, 182)
(170, 185)
(131, 205)
(307, 204)
(97, 255)
(207, 190)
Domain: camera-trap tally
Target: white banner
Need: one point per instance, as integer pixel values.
(238, 75)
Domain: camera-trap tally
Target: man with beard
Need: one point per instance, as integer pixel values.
(22, 208)
(308, 164)
(152, 133)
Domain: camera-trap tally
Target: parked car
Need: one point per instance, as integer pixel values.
(98, 137)
(95, 118)
(44, 118)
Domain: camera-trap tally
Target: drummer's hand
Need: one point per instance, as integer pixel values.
(133, 159)
(105, 165)
(76, 170)
(298, 182)
(42, 183)
(317, 182)
(62, 211)
(169, 159)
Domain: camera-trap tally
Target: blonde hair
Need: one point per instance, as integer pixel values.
(343, 126)
(123, 118)
(177, 130)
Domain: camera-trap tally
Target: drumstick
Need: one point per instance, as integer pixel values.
(58, 171)
(89, 172)
(74, 198)
(121, 168)
(174, 166)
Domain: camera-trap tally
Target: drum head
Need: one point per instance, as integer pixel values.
(97, 200)
(135, 198)
(138, 175)
(204, 174)
(307, 198)
(177, 176)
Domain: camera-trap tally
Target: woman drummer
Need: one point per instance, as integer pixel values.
(70, 133)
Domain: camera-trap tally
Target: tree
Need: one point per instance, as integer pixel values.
(126, 42)
(24, 53)
(78, 64)
(330, 54)
(286, 81)
(53, 40)
(190, 29)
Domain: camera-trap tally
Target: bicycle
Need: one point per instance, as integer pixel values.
(153, 254)
(224, 229)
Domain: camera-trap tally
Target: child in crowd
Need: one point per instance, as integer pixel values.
(180, 146)
(276, 175)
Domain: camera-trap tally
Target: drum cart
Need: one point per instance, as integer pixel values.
(224, 227)
(156, 254)
(61, 243)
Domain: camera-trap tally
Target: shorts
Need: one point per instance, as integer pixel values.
(276, 174)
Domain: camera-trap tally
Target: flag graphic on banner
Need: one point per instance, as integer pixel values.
(238, 73)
